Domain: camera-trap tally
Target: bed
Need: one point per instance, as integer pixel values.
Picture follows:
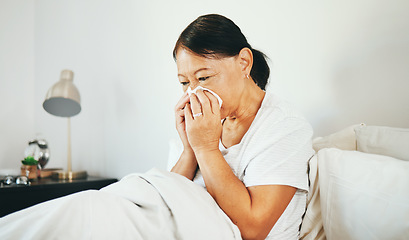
(359, 189)
(154, 205)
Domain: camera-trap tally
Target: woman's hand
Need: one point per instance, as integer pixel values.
(202, 119)
(187, 164)
(180, 120)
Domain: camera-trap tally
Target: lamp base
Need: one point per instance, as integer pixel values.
(69, 175)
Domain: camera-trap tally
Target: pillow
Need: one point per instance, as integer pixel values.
(175, 150)
(363, 196)
(393, 142)
(344, 139)
(311, 227)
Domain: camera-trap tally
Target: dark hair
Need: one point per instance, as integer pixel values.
(215, 36)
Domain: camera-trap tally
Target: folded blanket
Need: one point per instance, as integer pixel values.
(154, 205)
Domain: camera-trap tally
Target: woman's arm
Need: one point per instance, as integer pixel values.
(186, 165)
(254, 210)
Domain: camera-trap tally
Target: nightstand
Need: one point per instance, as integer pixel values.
(15, 197)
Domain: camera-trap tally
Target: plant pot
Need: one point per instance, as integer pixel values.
(31, 171)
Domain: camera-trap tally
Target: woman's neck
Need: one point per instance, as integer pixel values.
(237, 124)
(249, 103)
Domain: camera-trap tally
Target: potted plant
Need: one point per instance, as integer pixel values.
(29, 168)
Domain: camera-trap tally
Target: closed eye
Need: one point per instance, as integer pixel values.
(203, 78)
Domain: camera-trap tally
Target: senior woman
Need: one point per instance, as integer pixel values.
(250, 150)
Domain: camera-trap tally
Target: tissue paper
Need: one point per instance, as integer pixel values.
(190, 91)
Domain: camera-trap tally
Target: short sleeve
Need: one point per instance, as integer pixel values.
(280, 154)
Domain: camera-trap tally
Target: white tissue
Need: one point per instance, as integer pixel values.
(190, 91)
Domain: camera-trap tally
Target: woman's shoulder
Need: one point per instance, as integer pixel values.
(274, 110)
(277, 119)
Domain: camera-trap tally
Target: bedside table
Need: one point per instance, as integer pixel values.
(16, 197)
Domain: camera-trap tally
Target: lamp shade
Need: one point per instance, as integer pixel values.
(63, 98)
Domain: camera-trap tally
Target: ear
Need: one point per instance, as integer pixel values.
(245, 60)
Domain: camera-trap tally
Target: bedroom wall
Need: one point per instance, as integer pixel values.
(16, 82)
(339, 62)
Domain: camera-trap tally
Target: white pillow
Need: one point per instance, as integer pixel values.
(175, 150)
(363, 196)
(343, 139)
(393, 142)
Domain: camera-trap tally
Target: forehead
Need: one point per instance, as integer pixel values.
(188, 62)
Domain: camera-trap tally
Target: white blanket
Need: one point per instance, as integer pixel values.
(154, 205)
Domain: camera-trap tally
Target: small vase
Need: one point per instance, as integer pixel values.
(31, 171)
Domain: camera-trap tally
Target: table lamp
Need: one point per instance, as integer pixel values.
(63, 100)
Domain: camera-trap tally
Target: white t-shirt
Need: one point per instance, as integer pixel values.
(274, 151)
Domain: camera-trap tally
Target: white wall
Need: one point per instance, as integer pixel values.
(340, 62)
(16, 82)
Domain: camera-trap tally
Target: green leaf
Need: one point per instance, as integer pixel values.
(29, 161)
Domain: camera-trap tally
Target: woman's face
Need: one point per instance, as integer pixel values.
(223, 76)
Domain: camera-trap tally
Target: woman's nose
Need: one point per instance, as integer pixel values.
(194, 85)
